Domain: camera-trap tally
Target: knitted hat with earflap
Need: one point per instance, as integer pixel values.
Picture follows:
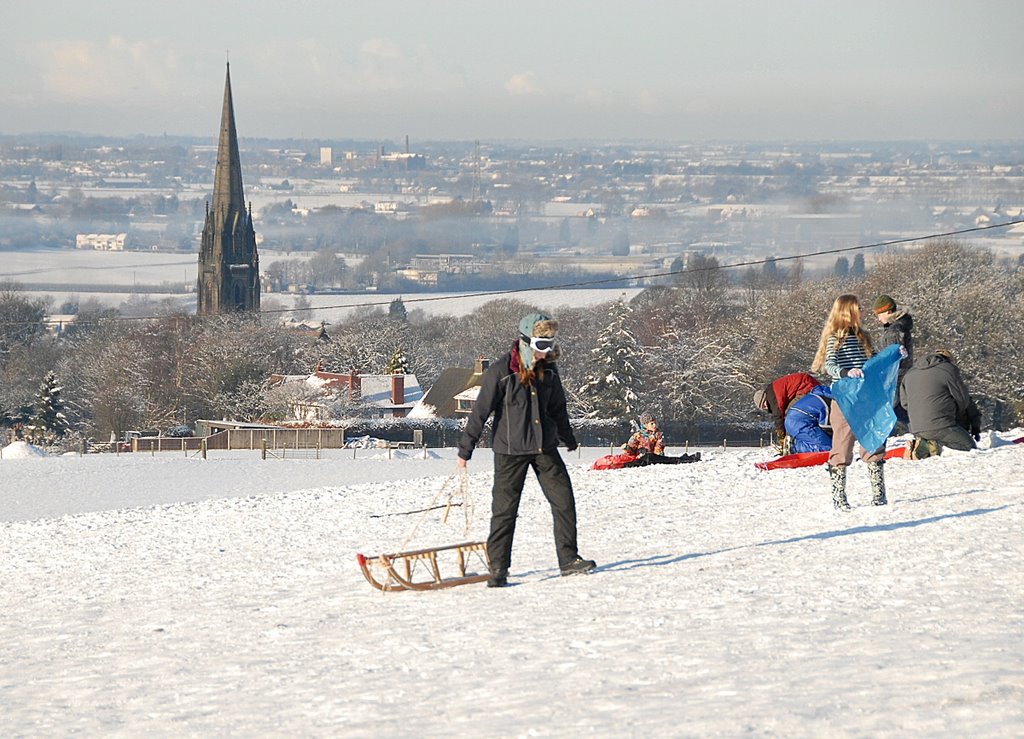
(646, 417)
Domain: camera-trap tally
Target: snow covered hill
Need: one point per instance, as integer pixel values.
(177, 596)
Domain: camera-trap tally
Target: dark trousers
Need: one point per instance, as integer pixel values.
(645, 459)
(954, 437)
(509, 477)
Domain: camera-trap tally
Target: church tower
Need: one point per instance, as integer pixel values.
(229, 267)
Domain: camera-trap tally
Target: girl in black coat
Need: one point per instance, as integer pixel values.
(524, 393)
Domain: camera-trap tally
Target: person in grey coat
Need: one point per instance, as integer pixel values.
(941, 410)
(524, 392)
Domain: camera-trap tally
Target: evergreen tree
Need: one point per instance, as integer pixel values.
(398, 364)
(49, 422)
(857, 269)
(842, 268)
(397, 310)
(610, 389)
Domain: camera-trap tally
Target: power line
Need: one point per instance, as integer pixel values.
(606, 280)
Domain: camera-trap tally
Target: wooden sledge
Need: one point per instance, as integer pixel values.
(406, 570)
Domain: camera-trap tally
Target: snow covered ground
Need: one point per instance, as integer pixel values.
(176, 596)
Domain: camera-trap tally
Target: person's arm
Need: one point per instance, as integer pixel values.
(560, 412)
(659, 444)
(482, 409)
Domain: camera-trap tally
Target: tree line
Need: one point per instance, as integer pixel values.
(691, 351)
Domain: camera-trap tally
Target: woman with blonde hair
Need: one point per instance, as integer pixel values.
(843, 349)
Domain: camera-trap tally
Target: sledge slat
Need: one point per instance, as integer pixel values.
(400, 568)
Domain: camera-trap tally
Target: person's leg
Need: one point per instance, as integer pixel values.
(810, 437)
(840, 456)
(557, 487)
(509, 476)
(641, 461)
(954, 437)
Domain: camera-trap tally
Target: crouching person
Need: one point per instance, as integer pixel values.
(807, 421)
(942, 412)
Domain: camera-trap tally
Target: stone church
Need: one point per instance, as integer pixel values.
(229, 267)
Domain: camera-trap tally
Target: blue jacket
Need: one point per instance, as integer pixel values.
(807, 420)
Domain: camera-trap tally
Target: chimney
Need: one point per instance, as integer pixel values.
(355, 389)
(480, 366)
(397, 389)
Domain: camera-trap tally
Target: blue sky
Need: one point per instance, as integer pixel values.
(552, 70)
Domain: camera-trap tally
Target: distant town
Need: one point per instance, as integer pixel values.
(418, 216)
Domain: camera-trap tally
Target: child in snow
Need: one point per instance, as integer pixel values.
(843, 350)
(649, 444)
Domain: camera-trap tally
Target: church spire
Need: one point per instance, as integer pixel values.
(227, 194)
(228, 260)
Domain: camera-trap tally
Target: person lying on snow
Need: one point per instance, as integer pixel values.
(807, 421)
(649, 444)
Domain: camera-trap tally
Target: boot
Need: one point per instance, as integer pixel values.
(876, 473)
(838, 475)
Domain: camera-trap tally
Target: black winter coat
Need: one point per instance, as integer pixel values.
(527, 420)
(936, 397)
(900, 331)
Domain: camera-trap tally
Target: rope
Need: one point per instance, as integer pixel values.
(461, 492)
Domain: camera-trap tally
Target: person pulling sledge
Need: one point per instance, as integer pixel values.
(648, 444)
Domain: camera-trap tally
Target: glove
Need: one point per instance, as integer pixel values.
(572, 448)
(976, 433)
(855, 372)
(903, 352)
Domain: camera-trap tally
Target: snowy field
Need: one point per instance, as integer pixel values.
(95, 268)
(179, 597)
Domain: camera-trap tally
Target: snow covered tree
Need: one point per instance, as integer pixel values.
(49, 422)
(397, 364)
(609, 390)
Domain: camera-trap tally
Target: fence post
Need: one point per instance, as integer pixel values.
(263, 448)
(184, 446)
(202, 446)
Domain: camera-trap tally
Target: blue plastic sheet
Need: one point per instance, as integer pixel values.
(867, 401)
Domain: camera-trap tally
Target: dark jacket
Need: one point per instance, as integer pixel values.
(527, 420)
(900, 331)
(936, 397)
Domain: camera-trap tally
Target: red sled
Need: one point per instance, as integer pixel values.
(810, 459)
(614, 461)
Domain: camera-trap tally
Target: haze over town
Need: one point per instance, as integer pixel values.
(693, 70)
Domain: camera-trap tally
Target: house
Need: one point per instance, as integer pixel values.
(454, 393)
(387, 396)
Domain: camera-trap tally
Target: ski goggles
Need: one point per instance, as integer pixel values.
(542, 344)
